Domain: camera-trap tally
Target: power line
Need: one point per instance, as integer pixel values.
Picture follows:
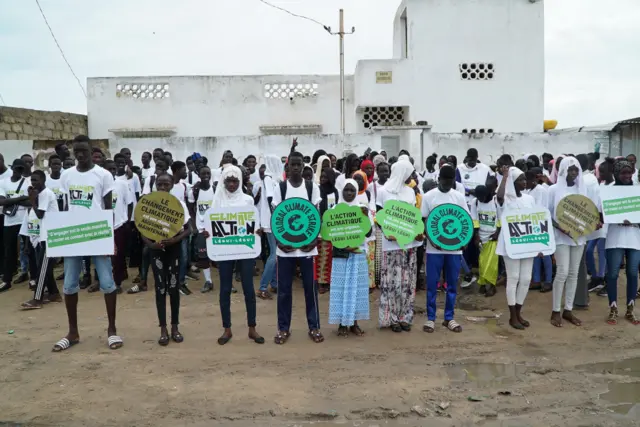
(2, 99)
(296, 15)
(60, 49)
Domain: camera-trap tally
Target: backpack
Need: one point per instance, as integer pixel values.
(283, 189)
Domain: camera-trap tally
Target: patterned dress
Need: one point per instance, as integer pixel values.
(349, 297)
(397, 287)
(323, 262)
(371, 263)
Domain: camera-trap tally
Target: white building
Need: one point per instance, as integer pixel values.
(463, 66)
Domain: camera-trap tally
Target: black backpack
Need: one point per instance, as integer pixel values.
(283, 190)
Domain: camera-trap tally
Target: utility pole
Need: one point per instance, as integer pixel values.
(341, 33)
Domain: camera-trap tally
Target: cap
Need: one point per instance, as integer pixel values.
(18, 163)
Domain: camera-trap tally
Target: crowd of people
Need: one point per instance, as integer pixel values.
(83, 178)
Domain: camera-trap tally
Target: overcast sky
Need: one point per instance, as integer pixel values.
(591, 47)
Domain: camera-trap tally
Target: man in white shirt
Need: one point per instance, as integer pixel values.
(472, 173)
(87, 186)
(5, 173)
(123, 205)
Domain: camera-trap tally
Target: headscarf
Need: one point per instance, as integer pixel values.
(354, 202)
(510, 193)
(400, 173)
(377, 160)
(561, 184)
(364, 178)
(553, 177)
(319, 168)
(330, 186)
(274, 167)
(222, 197)
(617, 168)
(348, 163)
(404, 157)
(368, 163)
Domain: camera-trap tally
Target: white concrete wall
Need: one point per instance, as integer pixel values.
(13, 149)
(202, 106)
(241, 146)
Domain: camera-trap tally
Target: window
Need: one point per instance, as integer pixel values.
(383, 116)
(477, 131)
(405, 34)
(290, 90)
(477, 71)
(143, 90)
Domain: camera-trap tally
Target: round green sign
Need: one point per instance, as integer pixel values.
(296, 222)
(449, 227)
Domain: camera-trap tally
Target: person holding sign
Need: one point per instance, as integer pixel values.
(510, 197)
(229, 194)
(349, 297)
(164, 264)
(87, 186)
(623, 241)
(438, 258)
(399, 266)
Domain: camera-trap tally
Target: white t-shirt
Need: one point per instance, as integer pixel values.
(6, 174)
(85, 190)
(594, 195)
(268, 187)
(182, 191)
(205, 198)
(187, 216)
(9, 189)
(485, 218)
(121, 199)
(134, 187)
(472, 177)
(620, 236)
(291, 193)
(146, 173)
(522, 202)
(191, 179)
(432, 200)
(147, 182)
(540, 195)
(561, 238)
(47, 202)
(55, 185)
(405, 195)
(255, 177)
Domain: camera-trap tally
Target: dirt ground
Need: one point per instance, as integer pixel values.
(488, 375)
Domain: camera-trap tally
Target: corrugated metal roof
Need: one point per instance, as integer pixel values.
(608, 127)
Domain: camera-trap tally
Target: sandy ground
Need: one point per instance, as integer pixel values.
(539, 377)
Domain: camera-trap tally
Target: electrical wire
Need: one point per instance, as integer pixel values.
(2, 99)
(296, 15)
(60, 49)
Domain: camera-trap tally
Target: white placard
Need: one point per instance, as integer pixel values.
(528, 232)
(78, 233)
(620, 202)
(232, 233)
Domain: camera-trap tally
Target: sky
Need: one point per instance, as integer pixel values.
(591, 47)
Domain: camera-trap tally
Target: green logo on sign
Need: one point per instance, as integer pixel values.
(449, 227)
(233, 228)
(528, 228)
(400, 220)
(295, 222)
(78, 234)
(345, 226)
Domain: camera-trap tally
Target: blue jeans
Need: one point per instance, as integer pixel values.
(545, 262)
(269, 274)
(451, 265)
(592, 245)
(614, 260)
(73, 268)
(184, 261)
(286, 271)
(245, 266)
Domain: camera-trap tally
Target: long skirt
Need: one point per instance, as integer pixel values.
(378, 255)
(323, 262)
(349, 297)
(371, 263)
(397, 287)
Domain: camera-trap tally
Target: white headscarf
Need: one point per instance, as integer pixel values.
(561, 183)
(222, 197)
(354, 202)
(510, 188)
(275, 168)
(400, 173)
(404, 157)
(321, 160)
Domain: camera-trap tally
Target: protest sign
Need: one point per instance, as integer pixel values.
(449, 227)
(232, 233)
(400, 220)
(77, 233)
(159, 216)
(295, 222)
(577, 215)
(528, 232)
(620, 202)
(345, 226)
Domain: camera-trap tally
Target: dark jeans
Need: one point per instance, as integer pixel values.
(120, 238)
(164, 265)
(45, 269)
(10, 243)
(135, 244)
(34, 269)
(245, 266)
(286, 269)
(614, 260)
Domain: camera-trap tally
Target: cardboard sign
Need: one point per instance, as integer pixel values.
(232, 233)
(345, 226)
(449, 227)
(159, 216)
(78, 233)
(528, 232)
(577, 215)
(620, 202)
(296, 222)
(400, 220)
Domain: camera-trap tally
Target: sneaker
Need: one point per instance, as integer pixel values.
(184, 290)
(491, 291)
(192, 276)
(4, 287)
(234, 290)
(596, 284)
(602, 292)
(22, 277)
(468, 281)
(207, 287)
(32, 285)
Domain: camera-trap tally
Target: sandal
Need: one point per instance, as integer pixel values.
(568, 316)
(115, 342)
(355, 329)
(258, 339)
(429, 326)
(282, 337)
(612, 319)
(136, 289)
(265, 295)
(64, 344)
(405, 326)
(452, 325)
(343, 331)
(630, 316)
(164, 340)
(316, 336)
(224, 339)
(177, 337)
(396, 328)
(31, 305)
